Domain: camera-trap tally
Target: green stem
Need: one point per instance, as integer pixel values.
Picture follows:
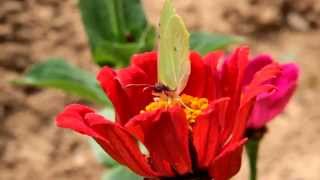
(252, 148)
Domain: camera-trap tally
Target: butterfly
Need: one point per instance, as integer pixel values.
(173, 58)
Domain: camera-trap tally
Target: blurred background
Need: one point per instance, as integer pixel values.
(32, 147)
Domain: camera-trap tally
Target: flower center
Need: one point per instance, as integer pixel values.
(192, 106)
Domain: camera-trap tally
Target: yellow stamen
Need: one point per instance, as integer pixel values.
(192, 106)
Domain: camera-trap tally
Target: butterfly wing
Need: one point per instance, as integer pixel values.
(166, 13)
(174, 63)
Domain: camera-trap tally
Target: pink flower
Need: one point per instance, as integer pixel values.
(269, 104)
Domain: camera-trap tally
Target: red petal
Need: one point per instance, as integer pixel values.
(197, 79)
(148, 63)
(135, 80)
(266, 73)
(231, 85)
(145, 65)
(128, 87)
(256, 65)
(228, 163)
(211, 61)
(255, 88)
(257, 85)
(232, 73)
(72, 118)
(119, 98)
(120, 144)
(206, 132)
(112, 137)
(165, 134)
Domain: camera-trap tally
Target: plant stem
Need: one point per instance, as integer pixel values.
(252, 148)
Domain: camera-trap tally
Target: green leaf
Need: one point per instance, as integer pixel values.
(120, 173)
(205, 42)
(116, 30)
(57, 73)
(118, 54)
(122, 51)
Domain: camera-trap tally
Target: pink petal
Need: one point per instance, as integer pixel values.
(269, 105)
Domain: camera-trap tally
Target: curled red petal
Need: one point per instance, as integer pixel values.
(268, 72)
(72, 118)
(117, 95)
(120, 144)
(228, 163)
(256, 65)
(113, 138)
(165, 135)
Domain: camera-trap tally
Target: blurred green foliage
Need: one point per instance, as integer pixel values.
(204, 42)
(116, 30)
(57, 73)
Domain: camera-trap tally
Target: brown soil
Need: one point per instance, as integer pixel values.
(31, 147)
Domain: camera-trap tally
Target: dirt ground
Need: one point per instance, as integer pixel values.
(31, 147)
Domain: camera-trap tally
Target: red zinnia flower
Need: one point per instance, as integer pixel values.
(197, 135)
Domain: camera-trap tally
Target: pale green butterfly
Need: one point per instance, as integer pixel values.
(173, 61)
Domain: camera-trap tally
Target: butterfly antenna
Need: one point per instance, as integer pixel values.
(146, 88)
(136, 85)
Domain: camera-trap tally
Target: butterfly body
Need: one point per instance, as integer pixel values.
(158, 88)
(161, 90)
